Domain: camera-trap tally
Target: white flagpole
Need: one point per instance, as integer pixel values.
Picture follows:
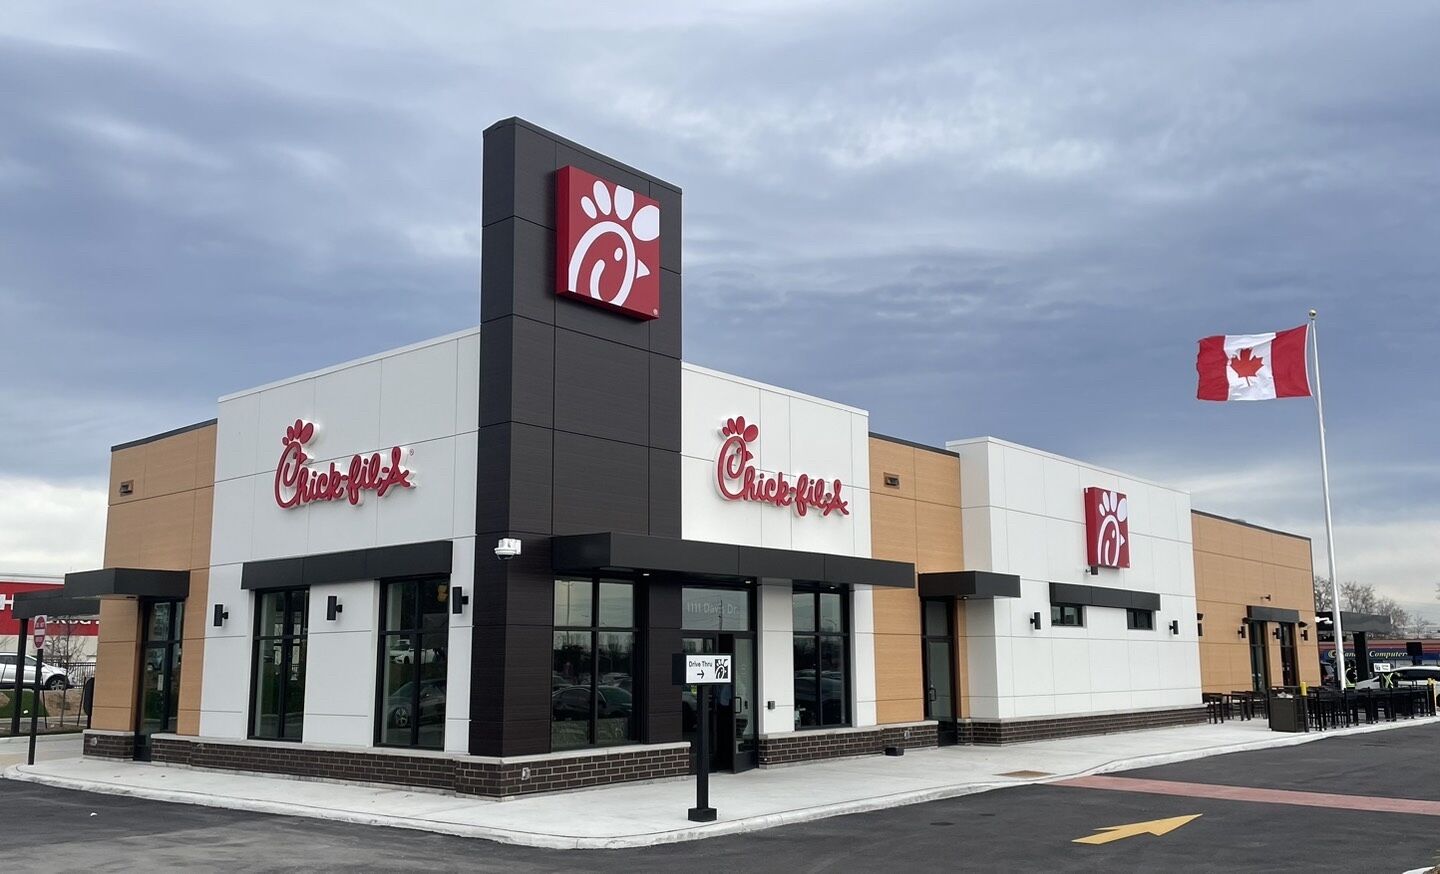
(1329, 524)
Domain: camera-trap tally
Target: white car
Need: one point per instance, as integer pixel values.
(54, 677)
(1411, 675)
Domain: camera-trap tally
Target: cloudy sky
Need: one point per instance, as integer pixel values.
(970, 218)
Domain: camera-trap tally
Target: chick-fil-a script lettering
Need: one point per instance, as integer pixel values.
(739, 479)
(297, 484)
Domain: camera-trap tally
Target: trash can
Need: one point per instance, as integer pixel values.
(1287, 713)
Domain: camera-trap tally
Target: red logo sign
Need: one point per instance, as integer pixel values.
(1107, 528)
(607, 248)
(38, 626)
(297, 484)
(739, 480)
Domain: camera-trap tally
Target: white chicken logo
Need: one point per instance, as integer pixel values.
(610, 216)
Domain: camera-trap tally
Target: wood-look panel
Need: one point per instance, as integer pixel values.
(172, 464)
(917, 522)
(1237, 566)
(165, 524)
(895, 458)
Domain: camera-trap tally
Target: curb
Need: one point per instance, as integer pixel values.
(551, 841)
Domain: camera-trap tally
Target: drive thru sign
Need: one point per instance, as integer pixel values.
(39, 625)
(707, 669)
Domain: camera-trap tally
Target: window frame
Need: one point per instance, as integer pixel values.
(382, 653)
(846, 638)
(1058, 615)
(594, 630)
(288, 642)
(1131, 615)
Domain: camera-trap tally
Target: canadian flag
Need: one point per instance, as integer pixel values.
(1253, 367)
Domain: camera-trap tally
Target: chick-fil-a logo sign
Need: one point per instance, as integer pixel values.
(1107, 528)
(740, 480)
(297, 484)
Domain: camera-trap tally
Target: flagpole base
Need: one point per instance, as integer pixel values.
(702, 814)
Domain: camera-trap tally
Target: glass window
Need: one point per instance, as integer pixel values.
(1139, 620)
(1067, 615)
(277, 710)
(414, 649)
(592, 671)
(715, 609)
(937, 619)
(802, 608)
(821, 640)
(573, 602)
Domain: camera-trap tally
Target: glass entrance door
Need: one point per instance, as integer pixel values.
(939, 656)
(1259, 660)
(717, 621)
(1288, 660)
(159, 673)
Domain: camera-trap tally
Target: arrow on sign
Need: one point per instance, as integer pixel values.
(1153, 827)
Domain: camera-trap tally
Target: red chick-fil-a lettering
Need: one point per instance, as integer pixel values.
(297, 484)
(739, 480)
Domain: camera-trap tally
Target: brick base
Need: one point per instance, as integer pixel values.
(469, 775)
(1009, 731)
(805, 746)
(110, 744)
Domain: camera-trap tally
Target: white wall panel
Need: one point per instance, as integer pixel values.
(467, 383)
(280, 406)
(238, 421)
(347, 411)
(417, 395)
(427, 511)
(341, 661)
(777, 658)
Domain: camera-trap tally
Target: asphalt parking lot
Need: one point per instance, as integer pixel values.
(1025, 829)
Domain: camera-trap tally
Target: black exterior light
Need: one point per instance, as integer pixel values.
(221, 614)
(333, 607)
(1035, 620)
(1174, 626)
(1276, 633)
(458, 600)
(1242, 629)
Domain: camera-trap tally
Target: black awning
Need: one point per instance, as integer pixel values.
(432, 557)
(613, 552)
(969, 584)
(28, 605)
(1103, 596)
(128, 582)
(1271, 614)
(1365, 623)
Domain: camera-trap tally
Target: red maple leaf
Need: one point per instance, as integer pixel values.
(1246, 364)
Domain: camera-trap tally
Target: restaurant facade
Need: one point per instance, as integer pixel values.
(466, 564)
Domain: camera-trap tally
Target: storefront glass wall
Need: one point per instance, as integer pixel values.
(414, 643)
(278, 701)
(592, 679)
(821, 639)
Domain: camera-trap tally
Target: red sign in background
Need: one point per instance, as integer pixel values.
(58, 626)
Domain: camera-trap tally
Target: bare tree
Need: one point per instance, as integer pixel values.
(1324, 597)
(1361, 598)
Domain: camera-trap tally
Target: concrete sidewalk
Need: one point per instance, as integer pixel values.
(644, 814)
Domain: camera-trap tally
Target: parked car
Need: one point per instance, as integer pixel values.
(432, 704)
(53, 677)
(1412, 675)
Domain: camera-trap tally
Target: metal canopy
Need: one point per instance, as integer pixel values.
(28, 605)
(125, 582)
(615, 552)
(969, 585)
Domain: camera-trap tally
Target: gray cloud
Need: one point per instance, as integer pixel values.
(968, 218)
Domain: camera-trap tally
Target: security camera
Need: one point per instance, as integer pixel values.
(507, 548)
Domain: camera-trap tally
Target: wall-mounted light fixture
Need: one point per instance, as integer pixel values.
(1174, 626)
(1199, 624)
(333, 608)
(1035, 620)
(1094, 570)
(892, 480)
(221, 614)
(458, 600)
(1276, 633)
(1242, 629)
(1304, 631)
